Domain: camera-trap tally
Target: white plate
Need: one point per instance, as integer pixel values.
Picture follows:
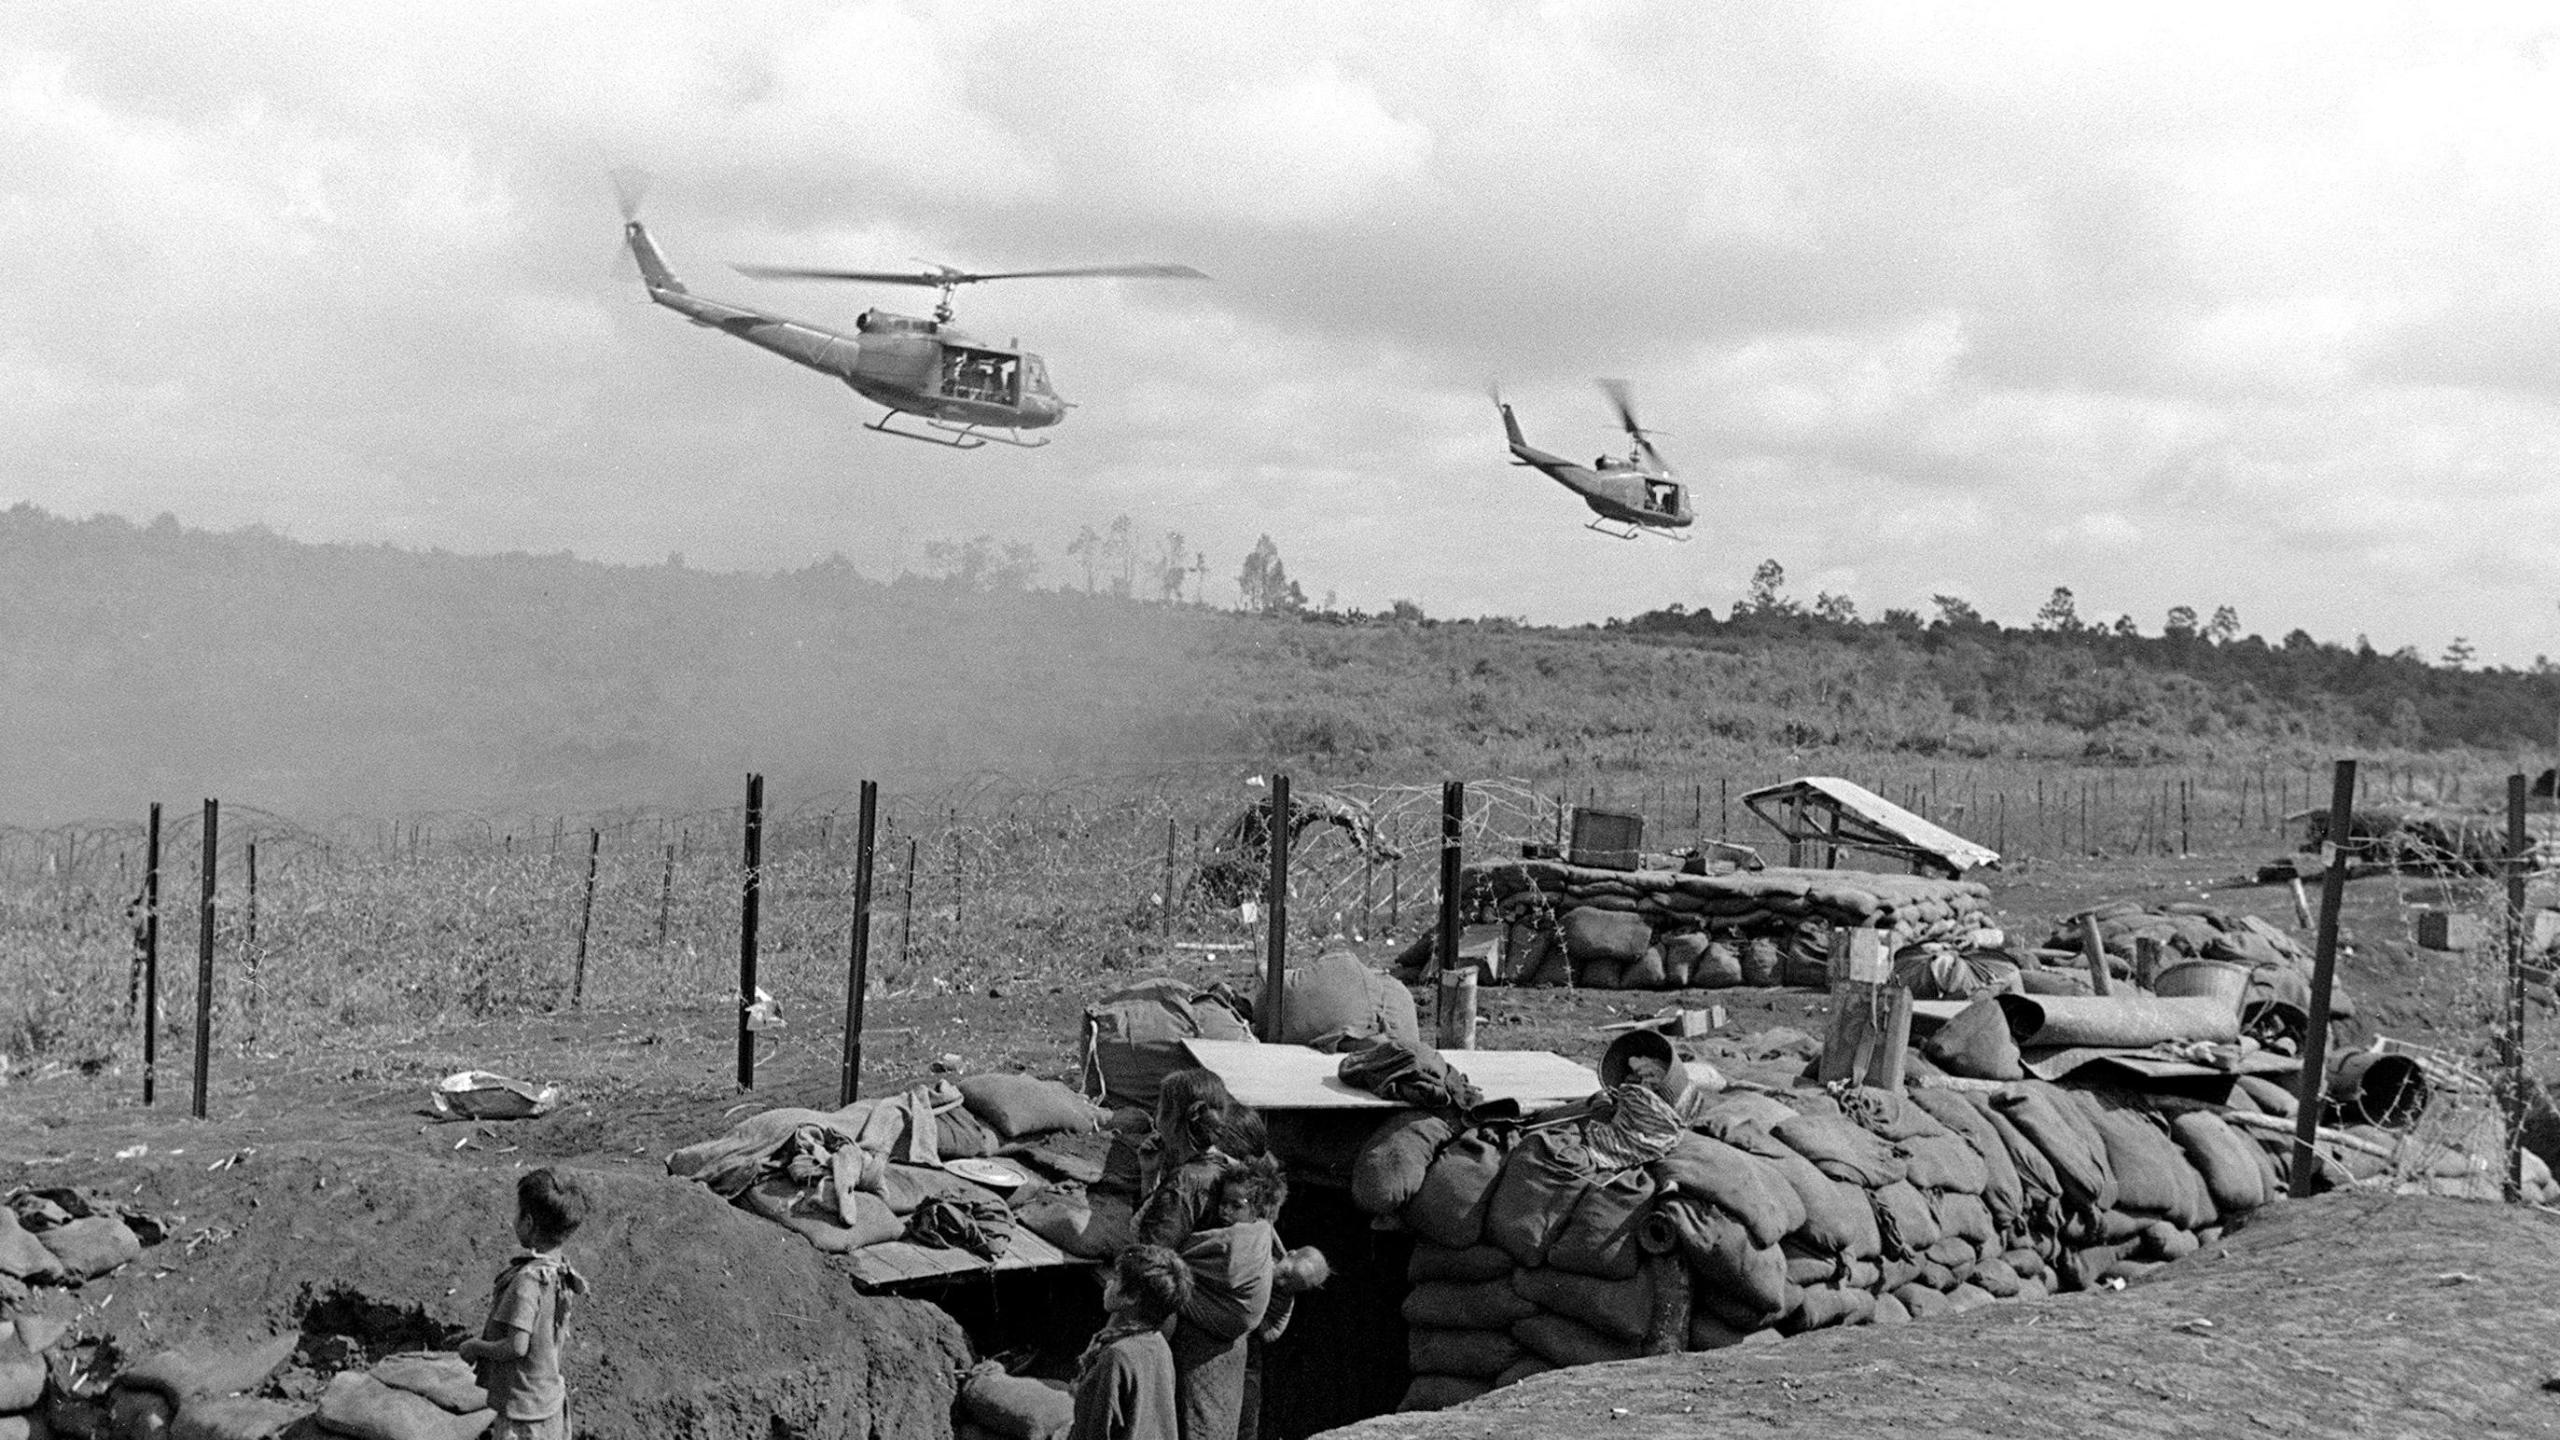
(993, 1173)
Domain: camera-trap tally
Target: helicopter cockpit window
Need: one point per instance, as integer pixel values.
(1664, 497)
(989, 378)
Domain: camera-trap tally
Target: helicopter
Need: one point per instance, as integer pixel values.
(969, 391)
(1630, 496)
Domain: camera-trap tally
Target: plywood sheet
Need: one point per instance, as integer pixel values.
(898, 1263)
(1295, 1077)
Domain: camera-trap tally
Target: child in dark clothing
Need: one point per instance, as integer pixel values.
(1124, 1385)
(518, 1352)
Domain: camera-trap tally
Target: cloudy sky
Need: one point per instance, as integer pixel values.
(2214, 304)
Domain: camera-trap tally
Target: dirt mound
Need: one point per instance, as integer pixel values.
(2345, 1315)
(705, 1322)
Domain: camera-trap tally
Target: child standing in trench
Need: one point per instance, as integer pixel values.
(518, 1352)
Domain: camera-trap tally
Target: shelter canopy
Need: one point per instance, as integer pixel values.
(1842, 815)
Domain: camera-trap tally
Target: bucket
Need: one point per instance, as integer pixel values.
(2373, 1088)
(2202, 979)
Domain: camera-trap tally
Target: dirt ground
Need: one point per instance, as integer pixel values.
(2345, 1315)
(345, 1175)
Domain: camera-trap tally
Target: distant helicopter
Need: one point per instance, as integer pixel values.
(971, 391)
(1637, 492)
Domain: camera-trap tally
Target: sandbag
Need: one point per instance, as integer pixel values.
(1749, 1188)
(1967, 1217)
(1945, 1162)
(234, 1417)
(1808, 1267)
(1337, 999)
(1762, 961)
(356, 1404)
(1706, 1332)
(1599, 1240)
(1475, 1353)
(1742, 1110)
(1464, 1305)
(1521, 1369)
(1561, 1341)
(91, 1247)
(1743, 1282)
(1018, 1106)
(2161, 1240)
(1824, 1306)
(2039, 1186)
(180, 1373)
(1014, 1407)
(2228, 1163)
(2068, 1140)
(1449, 1210)
(2001, 1189)
(23, 1256)
(1996, 1278)
(1903, 1218)
(1976, 1043)
(1891, 1311)
(2141, 1157)
(1593, 936)
(1088, 1224)
(1619, 1309)
(440, 1375)
(21, 1375)
(1394, 1159)
(1967, 1296)
(1718, 966)
(1837, 1217)
(2269, 1096)
(1542, 1180)
(1431, 1262)
(1921, 1302)
(1680, 956)
(1649, 973)
(1439, 1392)
(1133, 1038)
(1842, 1150)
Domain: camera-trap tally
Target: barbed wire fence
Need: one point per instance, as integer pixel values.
(351, 925)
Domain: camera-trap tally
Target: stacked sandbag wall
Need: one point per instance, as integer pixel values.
(1780, 1214)
(1654, 929)
(2279, 984)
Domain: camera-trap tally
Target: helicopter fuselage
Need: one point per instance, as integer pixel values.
(1628, 493)
(901, 362)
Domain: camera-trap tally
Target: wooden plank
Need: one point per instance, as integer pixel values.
(1295, 1077)
(1869, 1036)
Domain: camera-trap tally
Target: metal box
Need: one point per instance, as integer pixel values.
(1607, 839)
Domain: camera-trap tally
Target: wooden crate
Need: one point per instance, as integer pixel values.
(1607, 839)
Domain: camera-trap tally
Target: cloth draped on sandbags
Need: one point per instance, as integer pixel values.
(873, 1171)
(1649, 929)
(1785, 1211)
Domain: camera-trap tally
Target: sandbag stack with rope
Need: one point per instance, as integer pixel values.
(1546, 1244)
(1656, 929)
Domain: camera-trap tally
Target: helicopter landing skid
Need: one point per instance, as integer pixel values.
(963, 441)
(971, 437)
(1632, 532)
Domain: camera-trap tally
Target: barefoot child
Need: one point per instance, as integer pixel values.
(518, 1352)
(1124, 1386)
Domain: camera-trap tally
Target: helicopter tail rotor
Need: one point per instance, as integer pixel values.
(630, 187)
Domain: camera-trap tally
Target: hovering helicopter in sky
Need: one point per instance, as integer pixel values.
(969, 390)
(1636, 492)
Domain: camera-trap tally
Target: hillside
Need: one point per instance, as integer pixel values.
(146, 662)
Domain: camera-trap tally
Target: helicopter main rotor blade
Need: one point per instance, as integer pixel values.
(1621, 400)
(940, 279)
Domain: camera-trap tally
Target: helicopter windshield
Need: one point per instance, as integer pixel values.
(990, 377)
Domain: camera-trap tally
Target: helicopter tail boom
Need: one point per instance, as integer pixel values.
(653, 266)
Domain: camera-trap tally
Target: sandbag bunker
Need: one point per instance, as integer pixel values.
(1543, 1243)
(1567, 924)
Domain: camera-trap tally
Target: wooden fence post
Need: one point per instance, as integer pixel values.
(2512, 1075)
(204, 957)
(1455, 1029)
(2324, 979)
(586, 919)
(907, 906)
(1275, 965)
(149, 979)
(1171, 832)
(666, 894)
(751, 894)
(857, 983)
